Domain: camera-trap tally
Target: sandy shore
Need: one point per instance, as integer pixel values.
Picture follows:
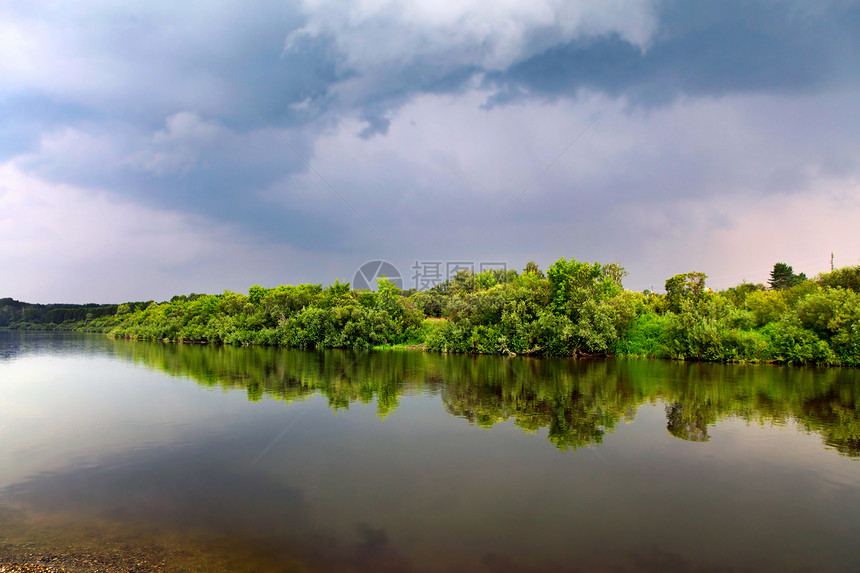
(72, 562)
(34, 543)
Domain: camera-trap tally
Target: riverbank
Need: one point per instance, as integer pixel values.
(35, 546)
(575, 309)
(35, 543)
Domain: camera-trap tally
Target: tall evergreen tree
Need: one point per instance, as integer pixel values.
(782, 277)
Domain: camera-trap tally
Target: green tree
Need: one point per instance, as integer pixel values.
(782, 277)
(532, 268)
(573, 282)
(256, 294)
(388, 295)
(846, 277)
(684, 286)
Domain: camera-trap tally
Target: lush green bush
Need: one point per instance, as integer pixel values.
(796, 345)
(833, 314)
(646, 337)
(846, 277)
(450, 337)
(712, 328)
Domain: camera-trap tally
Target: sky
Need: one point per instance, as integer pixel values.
(152, 148)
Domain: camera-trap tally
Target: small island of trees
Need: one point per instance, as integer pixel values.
(573, 308)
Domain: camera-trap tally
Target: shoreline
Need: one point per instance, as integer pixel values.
(420, 348)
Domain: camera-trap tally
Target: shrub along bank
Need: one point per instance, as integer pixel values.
(574, 308)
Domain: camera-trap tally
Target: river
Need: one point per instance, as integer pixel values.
(212, 458)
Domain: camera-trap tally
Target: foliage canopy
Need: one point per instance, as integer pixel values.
(574, 308)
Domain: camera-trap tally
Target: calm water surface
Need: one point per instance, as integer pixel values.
(403, 461)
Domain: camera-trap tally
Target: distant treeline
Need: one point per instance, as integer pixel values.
(17, 314)
(572, 308)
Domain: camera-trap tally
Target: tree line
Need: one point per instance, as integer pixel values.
(17, 314)
(573, 308)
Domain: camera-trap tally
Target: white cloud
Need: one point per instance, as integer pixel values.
(490, 33)
(72, 150)
(177, 147)
(113, 57)
(88, 151)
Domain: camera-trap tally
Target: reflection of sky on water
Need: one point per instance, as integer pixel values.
(59, 411)
(421, 489)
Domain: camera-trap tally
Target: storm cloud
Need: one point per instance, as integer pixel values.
(154, 148)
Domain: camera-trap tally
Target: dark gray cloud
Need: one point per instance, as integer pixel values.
(702, 49)
(91, 107)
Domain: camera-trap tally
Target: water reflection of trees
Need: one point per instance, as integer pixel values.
(577, 402)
